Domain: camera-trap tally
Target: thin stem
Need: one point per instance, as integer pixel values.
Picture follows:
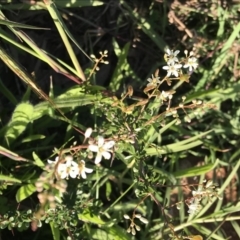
(117, 200)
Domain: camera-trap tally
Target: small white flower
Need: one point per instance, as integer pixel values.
(172, 69)
(69, 168)
(88, 132)
(153, 81)
(166, 95)
(191, 64)
(53, 162)
(102, 149)
(83, 170)
(198, 193)
(172, 56)
(194, 207)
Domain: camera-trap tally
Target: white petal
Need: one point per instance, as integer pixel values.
(176, 52)
(166, 67)
(63, 175)
(51, 162)
(175, 73)
(100, 141)
(88, 132)
(83, 175)
(106, 155)
(74, 164)
(73, 174)
(68, 162)
(169, 73)
(93, 148)
(88, 170)
(68, 158)
(61, 167)
(98, 158)
(168, 51)
(178, 65)
(108, 145)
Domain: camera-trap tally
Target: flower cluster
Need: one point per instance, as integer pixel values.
(194, 206)
(208, 190)
(173, 64)
(67, 167)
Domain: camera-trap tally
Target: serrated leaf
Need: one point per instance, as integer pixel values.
(25, 191)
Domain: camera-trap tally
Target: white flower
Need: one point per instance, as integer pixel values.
(153, 81)
(191, 64)
(166, 95)
(88, 132)
(69, 168)
(83, 170)
(194, 207)
(172, 56)
(102, 149)
(172, 69)
(53, 162)
(198, 193)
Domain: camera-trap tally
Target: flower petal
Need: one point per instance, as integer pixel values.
(109, 144)
(93, 148)
(64, 175)
(61, 167)
(68, 158)
(68, 162)
(74, 164)
(100, 141)
(168, 51)
(88, 170)
(98, 158)
(165, 67)
(88, 132)
(73, 174)
(106, 155)
(51, 161)
(83, 175)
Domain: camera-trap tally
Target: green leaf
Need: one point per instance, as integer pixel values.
(9, 179)
(108, 190)
(4, 90)
(33, 138)
(88, 217)
(21, 117)
(55, 231)
(20, 25)
(195, 171)
(123, 68)
(37, 160)
(38, 5)
(112, 233)
(176, 147)
(25, 191)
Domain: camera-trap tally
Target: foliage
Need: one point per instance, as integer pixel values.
(144, 132)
